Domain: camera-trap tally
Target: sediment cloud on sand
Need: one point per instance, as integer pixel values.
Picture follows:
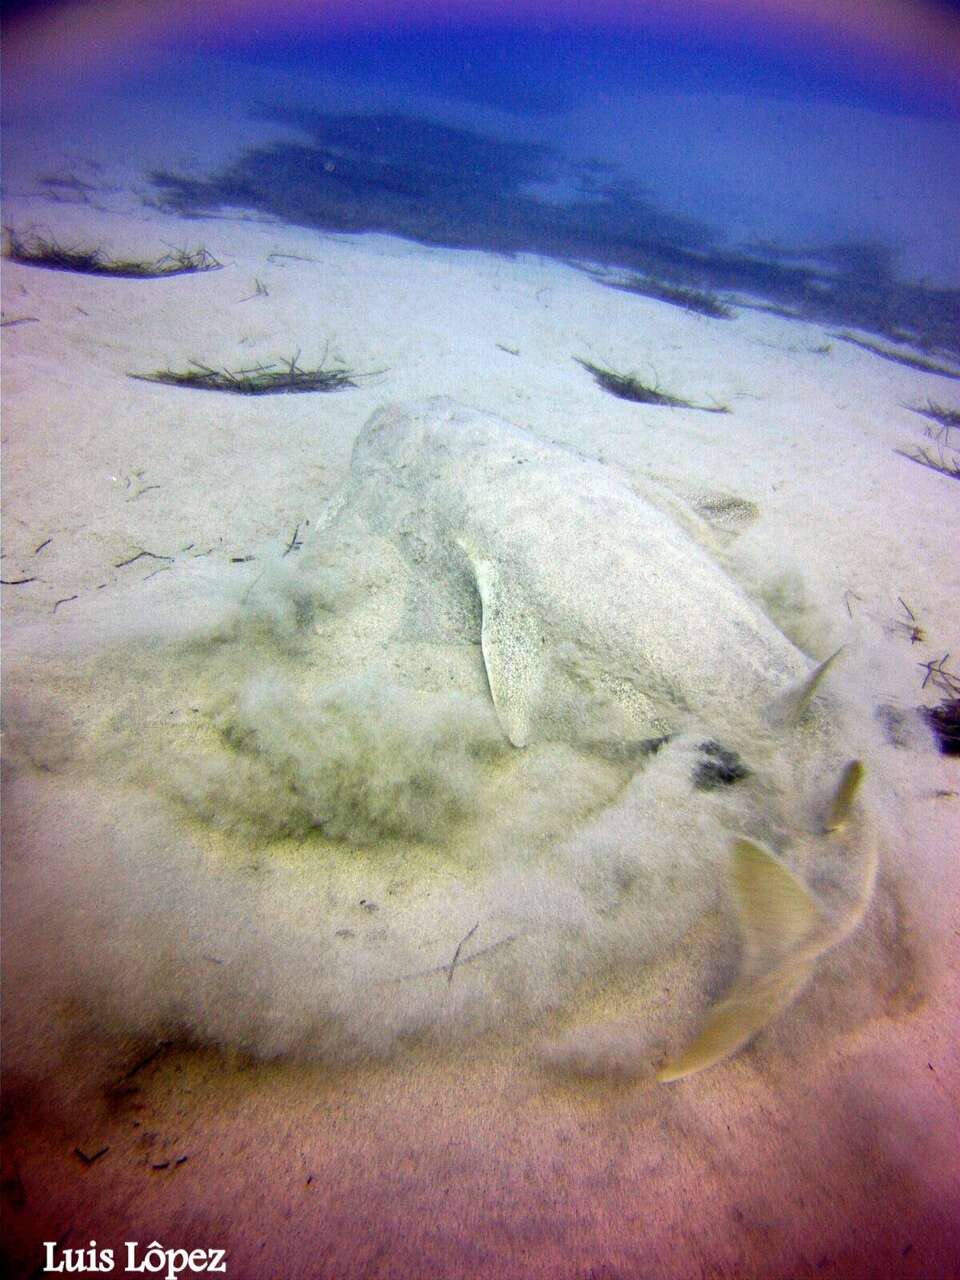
(324, 811)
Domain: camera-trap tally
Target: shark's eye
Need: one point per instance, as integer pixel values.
(720, 769)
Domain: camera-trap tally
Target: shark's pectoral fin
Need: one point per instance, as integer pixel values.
(777, 916)
(512, 645)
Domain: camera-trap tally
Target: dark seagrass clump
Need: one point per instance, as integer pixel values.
(38, 251)
(944, 720)
(921, 363)
(938, 413)
(947, 462)
(256, 380)
(627, 386)
(701, 301)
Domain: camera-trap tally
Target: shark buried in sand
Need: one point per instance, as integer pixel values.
(606, 619)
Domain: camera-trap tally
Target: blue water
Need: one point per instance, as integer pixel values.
(801, 173)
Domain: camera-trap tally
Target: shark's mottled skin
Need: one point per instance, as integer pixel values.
(564, 553)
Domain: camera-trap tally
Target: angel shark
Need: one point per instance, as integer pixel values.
(606, 617)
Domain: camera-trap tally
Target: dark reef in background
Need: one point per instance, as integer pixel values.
(439, 185)
(431, 183)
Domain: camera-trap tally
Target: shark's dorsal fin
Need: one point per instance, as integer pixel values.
(777, 916)
(790, 707)
(844, 796)
(511, 643)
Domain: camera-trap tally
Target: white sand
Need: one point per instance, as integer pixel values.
(829, 1147)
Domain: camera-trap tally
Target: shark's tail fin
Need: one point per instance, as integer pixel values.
(777, 915)
(784, 933)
